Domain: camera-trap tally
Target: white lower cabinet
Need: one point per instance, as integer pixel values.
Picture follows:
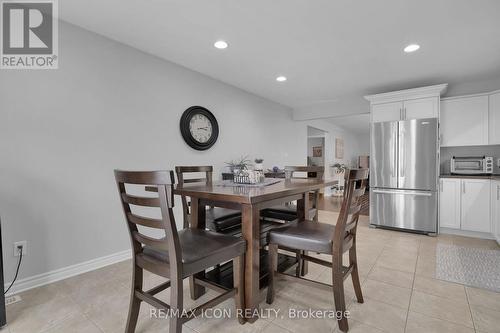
(475, 205)
(495, 209)
(449, 203)
(465, 204)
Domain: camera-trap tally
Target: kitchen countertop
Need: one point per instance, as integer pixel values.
(493, 176)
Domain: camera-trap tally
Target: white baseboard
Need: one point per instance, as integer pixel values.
(466, 233)
(67, 272)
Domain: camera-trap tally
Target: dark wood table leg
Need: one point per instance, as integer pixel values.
(250, 219)
(198, 221)
(303, 208)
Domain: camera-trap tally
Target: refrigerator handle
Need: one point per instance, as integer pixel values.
(404, 192)
(402, 165)
(395, 166)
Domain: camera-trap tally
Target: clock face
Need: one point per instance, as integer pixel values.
(199, 128)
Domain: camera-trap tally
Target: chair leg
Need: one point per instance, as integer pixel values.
(273, 266)
(135, 303)
(339, 297)
(355, 275)
(299, 271)
(176, 306)
(239, 284)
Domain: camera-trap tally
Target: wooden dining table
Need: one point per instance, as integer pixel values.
(250, 200)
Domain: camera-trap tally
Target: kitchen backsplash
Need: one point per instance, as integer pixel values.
(448, 152)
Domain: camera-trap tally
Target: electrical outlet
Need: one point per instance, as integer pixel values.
(24, 245)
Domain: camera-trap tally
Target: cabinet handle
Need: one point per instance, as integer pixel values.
(404, 113)
(441, 186)
(463, 188)
(401, 114)
(498, 192)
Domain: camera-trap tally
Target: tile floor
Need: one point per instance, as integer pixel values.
(398, 282)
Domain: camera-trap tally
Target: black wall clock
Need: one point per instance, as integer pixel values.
(199, 128)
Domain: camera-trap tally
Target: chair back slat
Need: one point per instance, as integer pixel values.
(315, 172)
(157, 244)
(345, 228)
(145, 221)
(163, 181)
(181, 172)
(140, 201)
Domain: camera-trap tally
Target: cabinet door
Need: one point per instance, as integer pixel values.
(464, 121)
(495, 209)
(386, 112)
(449, 203)
(476, 203)
(494, 119)
(421, 108)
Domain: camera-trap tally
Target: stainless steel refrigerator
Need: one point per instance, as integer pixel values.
(404, 175)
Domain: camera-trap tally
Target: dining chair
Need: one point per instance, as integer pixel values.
(288, 212)
(328, 239)
(218, 219)
(174, 255)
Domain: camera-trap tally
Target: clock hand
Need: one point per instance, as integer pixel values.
(203, 128)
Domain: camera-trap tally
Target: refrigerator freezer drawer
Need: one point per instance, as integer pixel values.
(404, 209)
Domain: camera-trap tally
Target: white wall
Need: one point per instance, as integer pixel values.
(62, 132)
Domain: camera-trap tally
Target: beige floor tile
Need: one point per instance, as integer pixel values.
(419, 323)
(5, 329)
(150, 325)
(485, 298)
(442, 308)
(273, 328)
(358, 327)
(303, 322)
(486, 320)
(326, 277)
(387, 293)
(440, 288)
(426, 266)
(383, 316)
(400, 261)
(475, 242)
(40, 317)
(391, 276)
(76, 324)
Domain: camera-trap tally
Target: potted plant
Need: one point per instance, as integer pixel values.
(258, 164)
(239, 164)
(339, 168)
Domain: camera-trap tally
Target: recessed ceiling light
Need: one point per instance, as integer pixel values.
(411, 48)
(220, 44)
(281, 78)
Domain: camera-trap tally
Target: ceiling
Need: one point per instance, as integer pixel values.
(330, 51)
(357, 124)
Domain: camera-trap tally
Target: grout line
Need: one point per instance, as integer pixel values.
(413, 284)
(470, 310)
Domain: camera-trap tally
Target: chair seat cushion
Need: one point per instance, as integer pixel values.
(306, 235)
(201, 249)
(220, 219)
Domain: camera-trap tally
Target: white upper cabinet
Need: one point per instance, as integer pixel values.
(407, 104)
(421, 108)
(476, 201)
(386, 112)
(464, 121)
(449, 203)
(494, 119)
